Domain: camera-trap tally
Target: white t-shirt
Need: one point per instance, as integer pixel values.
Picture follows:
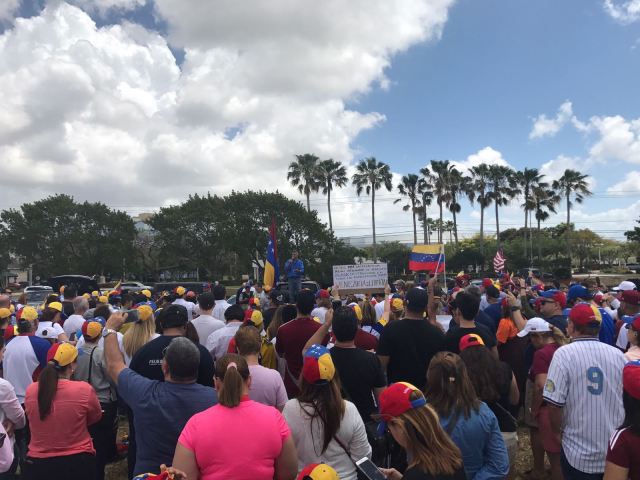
(585, 377)
(205, 325)
(379, 308)
(188, 305)
(319, 312)
(218, 342)
(49, 330)
(351, 433)
(23, 355)
(73, 324)
(623, 338)
(219, 309)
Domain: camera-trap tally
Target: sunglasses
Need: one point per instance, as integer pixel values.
(542, 302)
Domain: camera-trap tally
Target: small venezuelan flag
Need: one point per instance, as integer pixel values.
(427, 258)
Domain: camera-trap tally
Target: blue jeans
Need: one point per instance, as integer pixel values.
(295, 285)
(571, 473)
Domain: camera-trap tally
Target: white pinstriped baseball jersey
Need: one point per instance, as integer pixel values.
(585, 378)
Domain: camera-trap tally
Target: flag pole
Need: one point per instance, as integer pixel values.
(444, 270)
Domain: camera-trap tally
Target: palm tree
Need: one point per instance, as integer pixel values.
(409, 187)
(438, 174)
(544, 201)
(303, 173)
(528, 179)
(448, 226)
(571, 183)
(478, 191)
(426, 197)
(457, 185)
(372, 175)
(331, 174)
(502, 188)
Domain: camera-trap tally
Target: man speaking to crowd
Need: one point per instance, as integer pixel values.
(294, 267)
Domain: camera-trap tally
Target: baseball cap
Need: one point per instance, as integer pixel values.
(486, 282)
(535, 325)
(146, 292)
(396, 399)
(555, 295)
(634, 321)
(180, 290)
(632, 297)
(95, 293)
(191, 294)
(91, 329)
(28, 313)
(492, 291)
(254, 301)
(145, 312)
(317, 365)
(5, 313)
(103, 299)
(624, 286)
(62, 354)
(578, 291)
(397, 304)
(254, 317)
(318, 471)
(631, 379)
(56, 306)
(357, 310)
(585, 314)
(322, 293)
(470, 340)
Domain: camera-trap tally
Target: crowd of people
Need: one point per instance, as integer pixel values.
(421, 381)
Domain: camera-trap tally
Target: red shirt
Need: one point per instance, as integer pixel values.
(64, 431)
(623, 451)
(290, 340)
(542, 359)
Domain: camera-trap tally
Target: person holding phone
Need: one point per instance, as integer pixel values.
(415, 426)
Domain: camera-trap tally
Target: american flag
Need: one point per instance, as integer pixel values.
(498, 261)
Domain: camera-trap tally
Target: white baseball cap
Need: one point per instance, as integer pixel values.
(535, 325)
(626, 285)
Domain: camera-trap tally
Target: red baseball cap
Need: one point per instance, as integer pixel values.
(396, 399)
(632, 297)
(470, 340)
(318, 471)
(322, 293)
(585, 314)
(631, 379)
(486, 282)
(555, 295)
(635, 323)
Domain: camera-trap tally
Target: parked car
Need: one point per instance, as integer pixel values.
(197, 287)
(82, 283)
(283, 288)
(38, 288)
(36, 298)
(131, 286)
(545, 276)
(634, 267)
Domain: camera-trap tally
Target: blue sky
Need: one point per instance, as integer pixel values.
(167, 80)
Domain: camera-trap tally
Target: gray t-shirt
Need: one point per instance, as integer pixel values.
(99, 379)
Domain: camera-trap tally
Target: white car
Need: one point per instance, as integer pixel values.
(134, 286)
(38, 288)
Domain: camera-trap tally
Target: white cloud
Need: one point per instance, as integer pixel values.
(630, 184)
(619, 139)
(486, 155)
(102, 6)
(549, 127)
(625, 11)
(8, 9)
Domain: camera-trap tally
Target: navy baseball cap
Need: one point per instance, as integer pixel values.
(578, 291)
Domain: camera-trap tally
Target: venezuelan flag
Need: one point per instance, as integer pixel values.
(271, 270)
(427, 258)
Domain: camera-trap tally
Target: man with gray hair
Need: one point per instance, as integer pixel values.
(5, 301)
(160, 409)
(75, 321)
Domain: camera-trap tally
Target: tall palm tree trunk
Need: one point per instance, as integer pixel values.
(425, 225)
(413, 217)
(373, 224)
(526, 216)
(539, 245)
(329, 208)
(440, 225)
(482, 235)
(308, 203)
(568, 231)
(455, 228)
(497, 226)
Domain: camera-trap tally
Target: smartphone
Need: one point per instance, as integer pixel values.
(369, 469)
(132, 315)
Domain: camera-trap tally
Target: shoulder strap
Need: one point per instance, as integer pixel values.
(91, 364)
(342, 445)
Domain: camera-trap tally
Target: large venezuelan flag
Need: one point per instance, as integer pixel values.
(271, 270)
(427, 258)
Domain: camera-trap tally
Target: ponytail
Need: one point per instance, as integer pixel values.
(232, 370)
(47, 388)
(558, 337)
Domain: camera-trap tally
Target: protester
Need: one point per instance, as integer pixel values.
(91, 368)
(266, 385)
(546, 339)
(218, 342)
(623, 461)
(494, 308)
(406, 346)
(464, 308)
(294, 268)
(141, 332)
(415, 426)
(220, 442)
(12, 415)
(49, 323)
(471, 424)
(220, 294)
(323, 303)
(325, 428)
(181, 292)
(70, 293)
(160, 408)
(552, 303)
(583, 390)
(59, 412)
(292, 337)
(205, 323)
(629, 306)
(633, 337)
(74, 323)
(579, 294)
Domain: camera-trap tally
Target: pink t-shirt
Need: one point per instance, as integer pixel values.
(240, 443)
(267, 387)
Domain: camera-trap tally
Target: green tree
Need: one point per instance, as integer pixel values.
(633, 235)
(544, 201)
(478, 191)
(331, 174)
(410, 187)
(394, 254)
(371, 175)
(437, 175)
(502, 188)
(527, 180)
(571, 184)
(57, 236)
(426, 198)
(303, 173)
(457, 186)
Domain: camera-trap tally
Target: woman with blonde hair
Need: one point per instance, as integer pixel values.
(472, 425)
(416, 427)
(140, 333)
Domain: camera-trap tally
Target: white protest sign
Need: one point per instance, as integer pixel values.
(361, 278)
